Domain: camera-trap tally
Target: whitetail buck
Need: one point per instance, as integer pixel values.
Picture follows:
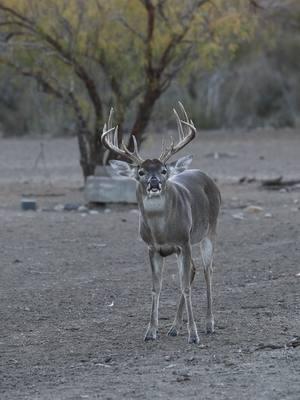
(178, 208)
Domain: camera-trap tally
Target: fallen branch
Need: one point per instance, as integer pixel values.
(279, 182)
(295, 342)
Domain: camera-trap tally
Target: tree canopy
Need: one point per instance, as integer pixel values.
(94, 54)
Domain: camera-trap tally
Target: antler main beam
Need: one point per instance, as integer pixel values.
(184, 137)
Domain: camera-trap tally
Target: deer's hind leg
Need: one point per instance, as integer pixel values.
(177, 324)
(207, 249)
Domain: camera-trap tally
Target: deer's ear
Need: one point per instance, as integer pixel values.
(122, 168)
(180, 165)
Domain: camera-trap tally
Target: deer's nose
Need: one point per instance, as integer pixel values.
(154, 182)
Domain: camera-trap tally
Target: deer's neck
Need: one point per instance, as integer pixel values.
(154, 205)
(155, 217)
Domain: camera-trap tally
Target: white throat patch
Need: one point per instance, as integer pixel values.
(154, 202)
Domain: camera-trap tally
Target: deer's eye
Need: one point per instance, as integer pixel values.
(164, 171)
(141, 173)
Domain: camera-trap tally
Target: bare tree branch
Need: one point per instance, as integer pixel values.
(131, 29)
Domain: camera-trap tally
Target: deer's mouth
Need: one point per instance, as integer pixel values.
(153, 190)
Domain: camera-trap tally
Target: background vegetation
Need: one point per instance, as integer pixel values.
(64, 63)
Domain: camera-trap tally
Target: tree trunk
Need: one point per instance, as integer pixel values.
(144, 112)
(91, 151)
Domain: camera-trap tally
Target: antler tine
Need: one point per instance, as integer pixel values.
(136, 148)
(179, 125)
(116, 136)
(111, 113)
(183, 110)
(186, 122)
(135, 145)
(163, 145)
(184, 138)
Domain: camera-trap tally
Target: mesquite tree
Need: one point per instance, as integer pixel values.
(91, 54)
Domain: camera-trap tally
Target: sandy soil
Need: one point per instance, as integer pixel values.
(75, 286)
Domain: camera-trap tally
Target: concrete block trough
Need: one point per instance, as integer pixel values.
(107, 189)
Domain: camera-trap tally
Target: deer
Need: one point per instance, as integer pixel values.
(178, 209)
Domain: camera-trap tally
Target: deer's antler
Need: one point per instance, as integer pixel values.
(184, 137)
(110, 140)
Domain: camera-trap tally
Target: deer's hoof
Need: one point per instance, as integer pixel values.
(151, 334)
(193, 339)
(173, 331)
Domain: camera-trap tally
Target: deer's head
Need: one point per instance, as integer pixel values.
(153, 174)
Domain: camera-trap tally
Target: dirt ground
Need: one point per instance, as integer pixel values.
(75, 286)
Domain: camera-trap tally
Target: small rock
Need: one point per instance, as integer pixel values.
(107, 359)
(216, 155)
(59, 207)
(190, 359)
(168, 358)
(295, 342)
(82, 209)
(170, 366)
(239, 216)
(103, 365)
(268, 215)
(229, 364)
(71, 207)
(93, 212)
(107, 210)
(183, 377)
(72, 328)
(253, 209)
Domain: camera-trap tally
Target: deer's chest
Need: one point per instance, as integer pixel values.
(158, 229)
(155, 220)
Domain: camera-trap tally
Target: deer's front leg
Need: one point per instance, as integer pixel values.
(185, 273)
(156, 262)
